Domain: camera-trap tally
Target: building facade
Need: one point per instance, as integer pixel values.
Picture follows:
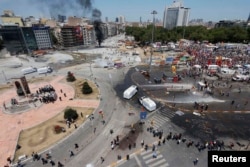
(71, 36)
(175, 15)
(43, 37)
(13, 38)
(9, 18)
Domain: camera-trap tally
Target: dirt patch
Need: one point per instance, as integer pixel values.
(78, 89)
(42, 136)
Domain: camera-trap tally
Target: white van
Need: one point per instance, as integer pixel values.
(148, 103)
(130, 92)
(29, 70)
(44, 70)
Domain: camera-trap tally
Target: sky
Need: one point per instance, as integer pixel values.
(132, 10)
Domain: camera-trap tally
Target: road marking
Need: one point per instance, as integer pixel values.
(158, 163)
(138, 161)
(154, 159)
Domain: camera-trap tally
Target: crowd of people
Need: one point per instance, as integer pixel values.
(47, 94)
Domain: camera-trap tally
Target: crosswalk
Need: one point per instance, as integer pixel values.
(115, 125)
(160, 118)
(159, 161)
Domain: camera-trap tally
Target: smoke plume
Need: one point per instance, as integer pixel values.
(78, 8)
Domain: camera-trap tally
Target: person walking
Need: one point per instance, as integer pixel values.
(196, 161)
(102, 159)
(71, 153)
(142, 143)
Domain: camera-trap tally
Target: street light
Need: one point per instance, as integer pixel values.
(152, 40)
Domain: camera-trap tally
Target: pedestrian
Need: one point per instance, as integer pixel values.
(102, 159)
(142, 143)
(153, 148)
(196, 161)
(75, 125)
(146, 147)
(71, 153)
(112, 146)
(65, 95)
(94, 130)
(81, 115)
(206, 107)
(60, 98)
(59, 164)
(9, 159)
(103, 122)
(129, 146)
(163, 141)
(61, 90)
(76, 146)
(159, 143)
(232, 103)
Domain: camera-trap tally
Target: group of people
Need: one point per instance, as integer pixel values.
(47, 94)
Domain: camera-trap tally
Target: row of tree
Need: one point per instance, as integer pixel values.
(196, 33)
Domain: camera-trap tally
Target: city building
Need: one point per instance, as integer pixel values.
(77, 21)
(175, 15)
(29, 21)
(61, 18)
(42, 35)
(71, 36)
(13, 38)
(121, 19)
(9, 18)
(88, 35)
(231, 23)
(112, 29)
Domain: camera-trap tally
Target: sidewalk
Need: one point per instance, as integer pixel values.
(29, 118)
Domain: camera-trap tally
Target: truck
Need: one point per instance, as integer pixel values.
(130, 92)
(148, 103)
(44, 70)
(29, 70)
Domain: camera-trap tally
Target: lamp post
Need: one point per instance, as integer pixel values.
(152, 40)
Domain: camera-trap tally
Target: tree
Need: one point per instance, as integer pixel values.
(70, 77)
(86, 89)
(70, 114)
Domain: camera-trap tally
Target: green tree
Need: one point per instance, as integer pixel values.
(70, 113)
(86, 89)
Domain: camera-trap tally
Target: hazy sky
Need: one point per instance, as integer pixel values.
(132, 10)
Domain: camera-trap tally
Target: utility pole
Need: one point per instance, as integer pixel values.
(152, 40)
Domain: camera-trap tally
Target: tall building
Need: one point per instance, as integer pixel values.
(175, 15)
(13, 39)
(121, 19)
(43, 37)
(9, 18)
(72, 36)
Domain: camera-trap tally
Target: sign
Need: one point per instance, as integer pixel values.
(143, 115)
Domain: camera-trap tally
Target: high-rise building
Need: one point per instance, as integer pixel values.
(43, 37)
(175, 15)
(72, 36)
(121, 19)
